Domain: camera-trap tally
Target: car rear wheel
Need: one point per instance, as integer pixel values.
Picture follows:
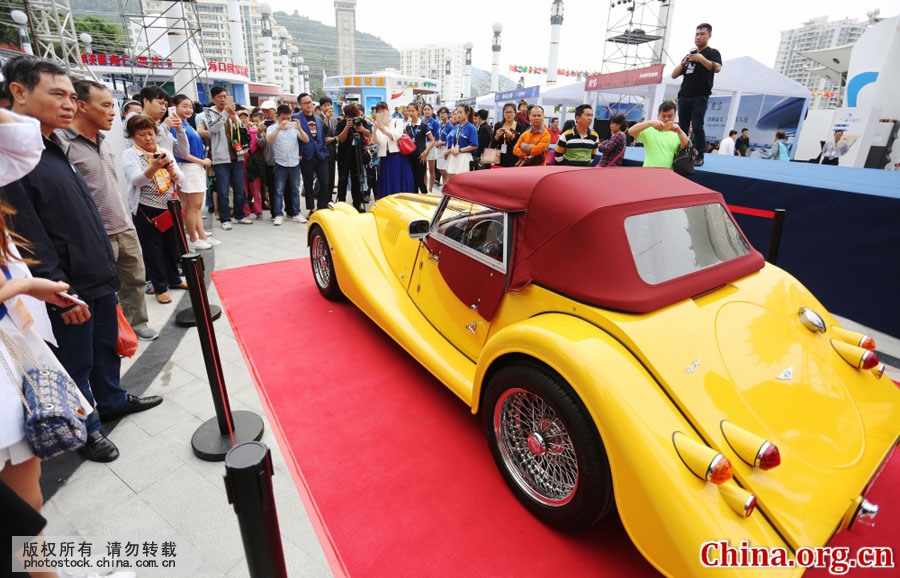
(322, 265)
(547, 447)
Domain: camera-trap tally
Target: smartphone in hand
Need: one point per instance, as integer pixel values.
(172, 113)
(71, 299)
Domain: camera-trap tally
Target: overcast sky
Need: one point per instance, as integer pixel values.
(747, 28)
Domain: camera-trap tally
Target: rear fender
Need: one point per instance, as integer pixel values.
(667, 511)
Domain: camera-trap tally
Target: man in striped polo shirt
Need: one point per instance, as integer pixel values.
(578, 146)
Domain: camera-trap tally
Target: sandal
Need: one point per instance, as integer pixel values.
(182, 285)
(149, 290)
(163, 298)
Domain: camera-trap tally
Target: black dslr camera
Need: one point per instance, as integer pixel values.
(357, 121)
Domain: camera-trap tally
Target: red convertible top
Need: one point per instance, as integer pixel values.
(570, 232)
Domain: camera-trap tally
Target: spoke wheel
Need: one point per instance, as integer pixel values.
(536, 447)
(322, 265)
(546, 446)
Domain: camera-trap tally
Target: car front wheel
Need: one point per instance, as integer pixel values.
(547, 447)
(322, 265)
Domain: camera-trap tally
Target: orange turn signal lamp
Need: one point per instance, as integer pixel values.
(854, 338)
(704, 462)
(752, 449)
(857, 356)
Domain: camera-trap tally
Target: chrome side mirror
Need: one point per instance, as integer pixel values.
(419, 229)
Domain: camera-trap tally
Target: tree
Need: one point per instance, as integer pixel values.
(108, 38)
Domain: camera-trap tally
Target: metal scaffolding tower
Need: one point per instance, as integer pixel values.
(165, 43)
(53, 34)
(636, 34)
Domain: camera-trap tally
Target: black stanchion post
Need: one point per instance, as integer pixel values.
(248, 481)
(185, 317)
(216, 436)
(775, 239)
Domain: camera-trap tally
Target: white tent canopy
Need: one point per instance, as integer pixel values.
(739, 75)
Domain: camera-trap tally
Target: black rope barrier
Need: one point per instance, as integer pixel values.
(216, 436)
(248, 481)
(185, 317)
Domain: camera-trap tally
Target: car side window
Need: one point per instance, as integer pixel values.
(474, 226)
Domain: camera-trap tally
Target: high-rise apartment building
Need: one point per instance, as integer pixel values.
(815, 34)
(216, 36)
(430, 60)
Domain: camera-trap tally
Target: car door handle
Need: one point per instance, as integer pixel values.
(472, 326)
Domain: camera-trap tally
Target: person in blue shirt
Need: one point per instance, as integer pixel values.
(448, 122)
(780, 150)
(286, 138)
(193, 188)
(461, 141)
(435, 127)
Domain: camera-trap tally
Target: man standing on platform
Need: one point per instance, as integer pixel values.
(834, 150)
(699, 68)
(92, 156)
(742, 144)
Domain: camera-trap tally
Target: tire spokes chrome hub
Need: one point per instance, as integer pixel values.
(536, 448)
(320, 265)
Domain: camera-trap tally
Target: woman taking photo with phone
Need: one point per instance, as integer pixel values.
(394, 174)
(193, 188)
(151, 173)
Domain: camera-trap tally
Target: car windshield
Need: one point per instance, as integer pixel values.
(676, 242)
(474, 226)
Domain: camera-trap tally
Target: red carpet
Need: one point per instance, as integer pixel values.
(392, 467)
(397, 466)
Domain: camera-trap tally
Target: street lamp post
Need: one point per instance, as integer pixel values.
(467, 88)
(21, 20)
(87, 40)
(265, 12)
(556, 20)
(495, 65)
(285, 63)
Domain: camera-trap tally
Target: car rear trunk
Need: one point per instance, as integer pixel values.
(740, 354)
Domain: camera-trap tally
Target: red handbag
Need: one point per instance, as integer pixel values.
(406, 144)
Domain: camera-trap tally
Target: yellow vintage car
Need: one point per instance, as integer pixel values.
(626, 348)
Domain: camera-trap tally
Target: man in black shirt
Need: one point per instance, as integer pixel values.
(742, 144)
(699, 68)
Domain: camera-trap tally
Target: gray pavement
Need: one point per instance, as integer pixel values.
(157, 488)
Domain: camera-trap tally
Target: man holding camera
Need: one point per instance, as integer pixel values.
(227, 155)
(352, 132)
(699, 68)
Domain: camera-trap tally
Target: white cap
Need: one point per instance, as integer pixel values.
(268, 105)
